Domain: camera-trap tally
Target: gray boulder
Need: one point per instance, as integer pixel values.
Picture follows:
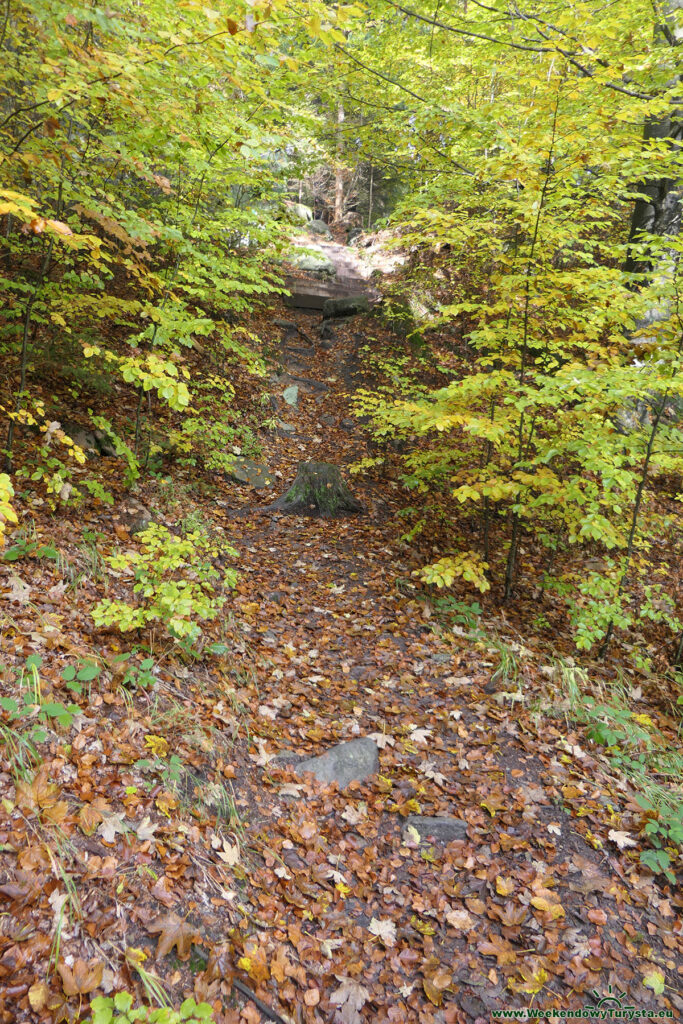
(443, 830)
(347, 762)
(315, 263)
(93, 442)
(246, 471)
(349, 306)
(319, 227)
(302, 212)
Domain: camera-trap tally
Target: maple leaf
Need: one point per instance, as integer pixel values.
(382, 739)
(546, 907)
(504, 886)
(351, 997)
(419, 736)
(622, 839)
(20, 593)
(533, 981)
(37, 795)
(503, 951)
(145, 830)
(230, 855)
(355, 815)
(384, 929)
(173, 931)
(112, 825)
(81, 978)
(263, 756)
(292, 789)
(328, 946)
(428, 768)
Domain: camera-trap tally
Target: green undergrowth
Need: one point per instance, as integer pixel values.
(650, 759)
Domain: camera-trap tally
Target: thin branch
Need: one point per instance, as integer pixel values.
(385, 78)
(553, 48)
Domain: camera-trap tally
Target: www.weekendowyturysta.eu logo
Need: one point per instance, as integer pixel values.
(609, 1005)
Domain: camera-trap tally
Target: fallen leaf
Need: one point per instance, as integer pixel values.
(37, 995)
(385, 930)
(350, 997)
(81, 978)
(434, 994)
(20, 593)
(622, 839)
(111, 826)
(460, 920)
(145, 830)
(88, 819)
(173, 931)
(655, 980)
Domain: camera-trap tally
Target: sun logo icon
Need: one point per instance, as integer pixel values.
(613, 998)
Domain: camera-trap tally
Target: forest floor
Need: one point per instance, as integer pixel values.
(162, 846)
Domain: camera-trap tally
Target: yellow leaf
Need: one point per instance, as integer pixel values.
(157, 744)
(37, 995)
(504, 886)
(655, 980)
(434, 994)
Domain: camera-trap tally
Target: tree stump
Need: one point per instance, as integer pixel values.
(318, 490)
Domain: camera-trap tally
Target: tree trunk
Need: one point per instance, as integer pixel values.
(318, 490)
(339, 170)
(658, 213)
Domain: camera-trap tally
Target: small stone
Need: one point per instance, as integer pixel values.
(286, 429)
(355, 760)
(286, 325)
(328, 421)
(347, 424)
(442, 657)
(291, 395)
(247, 471)
(443, 830)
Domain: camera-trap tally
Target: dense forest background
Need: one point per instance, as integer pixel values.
(511, 172)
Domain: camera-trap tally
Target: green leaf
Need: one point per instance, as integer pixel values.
(88, 672)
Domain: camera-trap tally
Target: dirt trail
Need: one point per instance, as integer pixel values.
(537, 906)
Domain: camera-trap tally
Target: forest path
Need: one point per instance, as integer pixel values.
(534, 905)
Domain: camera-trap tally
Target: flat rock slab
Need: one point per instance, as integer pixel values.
(443, 830)
(355, 760)
(349, 305)
(309, 293)
(309, 386)
(246, 471)
(291, 395)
